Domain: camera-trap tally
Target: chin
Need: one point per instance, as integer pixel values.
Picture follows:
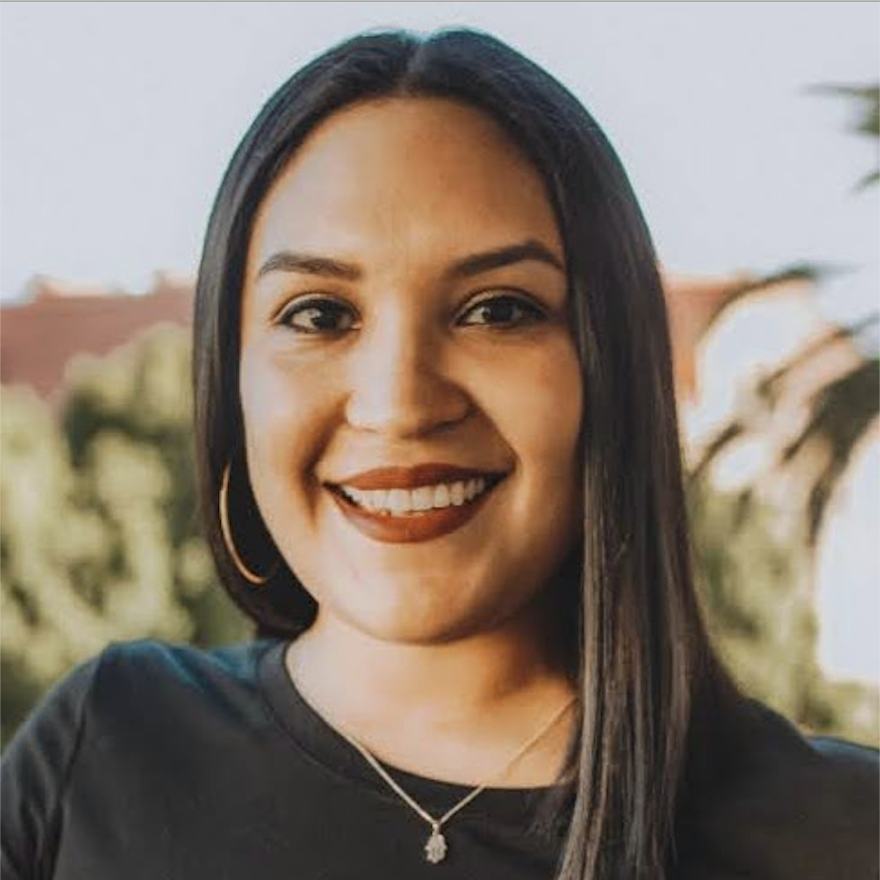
(424, 623)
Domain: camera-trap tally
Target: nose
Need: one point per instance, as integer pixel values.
(398, 387)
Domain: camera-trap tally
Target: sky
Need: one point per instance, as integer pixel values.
(118, 119)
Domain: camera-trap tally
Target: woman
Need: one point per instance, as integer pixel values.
(440, 470)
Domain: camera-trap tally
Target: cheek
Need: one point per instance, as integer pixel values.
(286, 412)
(538, 406)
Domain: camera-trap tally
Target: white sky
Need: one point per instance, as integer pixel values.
(118, 119)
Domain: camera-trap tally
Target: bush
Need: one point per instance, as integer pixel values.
(757, 591)
(99, 540)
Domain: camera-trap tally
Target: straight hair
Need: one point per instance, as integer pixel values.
(647, 676)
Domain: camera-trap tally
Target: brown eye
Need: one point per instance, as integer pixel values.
(502, 311)
(318, 316)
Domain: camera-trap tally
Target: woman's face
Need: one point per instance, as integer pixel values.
(409, 380)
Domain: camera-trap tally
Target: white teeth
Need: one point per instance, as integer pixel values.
(422, 498)
(372, 499)
(398, 502)
(441, 495)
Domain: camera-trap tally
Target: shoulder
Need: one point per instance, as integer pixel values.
(823, 778)
(143, 679)
(851, 769)
(148, 660)
(116, 717)
(851, 761)
(136, 697)
(136, 684)
(789, 806)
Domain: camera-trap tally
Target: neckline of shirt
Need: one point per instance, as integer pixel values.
(326, 746)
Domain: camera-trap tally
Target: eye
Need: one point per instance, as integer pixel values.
(318, 315)
(502, 311)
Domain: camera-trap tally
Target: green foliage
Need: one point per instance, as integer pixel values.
(99, 540)
(756, 594)
(757, 590)
(757, 583)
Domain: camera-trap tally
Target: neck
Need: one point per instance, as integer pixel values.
(449, 680)
(457, 710)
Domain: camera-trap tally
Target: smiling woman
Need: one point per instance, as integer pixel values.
(422, 346)
(440, 471)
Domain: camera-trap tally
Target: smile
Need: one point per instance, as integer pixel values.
(416, 502)
(407, 513)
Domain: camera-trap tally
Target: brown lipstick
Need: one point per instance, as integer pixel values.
(356, 499)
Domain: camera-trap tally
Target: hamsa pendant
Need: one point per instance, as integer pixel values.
(435, 848)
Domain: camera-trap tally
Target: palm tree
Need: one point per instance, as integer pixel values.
(843, 409)
(817, 406)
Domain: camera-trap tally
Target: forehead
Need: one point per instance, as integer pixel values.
(408, 174)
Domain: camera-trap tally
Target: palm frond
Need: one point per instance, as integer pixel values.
(794, 272)
(868, 180)
(842, 411)
(868, 98)
(867, 120)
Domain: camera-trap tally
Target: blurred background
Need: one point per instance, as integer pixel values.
(750, 132)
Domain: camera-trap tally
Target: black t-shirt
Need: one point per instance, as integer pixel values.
(169, 763)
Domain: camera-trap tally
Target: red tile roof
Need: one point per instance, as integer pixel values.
(38, 338)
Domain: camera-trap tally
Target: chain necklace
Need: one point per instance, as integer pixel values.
(436, 846)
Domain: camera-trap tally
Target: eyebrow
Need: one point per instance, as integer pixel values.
(503, 256)
(466, 267)
(288, 261)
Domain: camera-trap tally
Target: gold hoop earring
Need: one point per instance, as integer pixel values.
(225, 528)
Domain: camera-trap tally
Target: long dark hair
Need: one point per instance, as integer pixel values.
(646, 671)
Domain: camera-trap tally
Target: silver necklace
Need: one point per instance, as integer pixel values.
(436, 846)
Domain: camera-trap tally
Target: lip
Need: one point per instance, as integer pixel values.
(410, 528)
(412, 477)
